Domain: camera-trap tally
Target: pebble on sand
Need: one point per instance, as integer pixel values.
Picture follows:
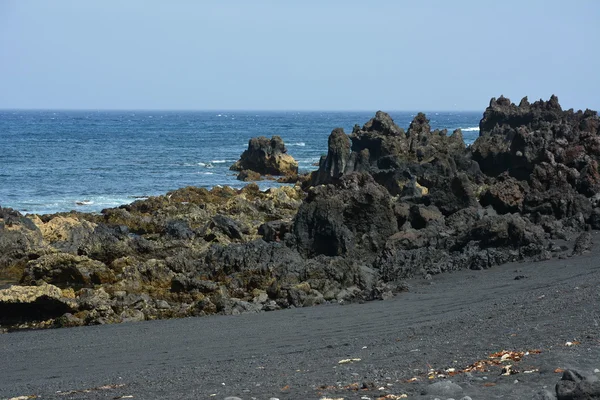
(444, 388)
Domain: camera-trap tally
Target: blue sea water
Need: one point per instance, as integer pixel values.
(52, 161)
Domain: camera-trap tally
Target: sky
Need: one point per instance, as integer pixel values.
(297, 54)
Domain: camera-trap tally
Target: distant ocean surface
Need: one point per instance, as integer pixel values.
(53, 161)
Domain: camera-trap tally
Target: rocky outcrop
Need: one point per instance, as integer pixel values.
(517, 139)
(247, 175)
(543, 160)
(123, 264)
(355, 216)
(19, 239)
(576, 386)
(65, 233)
(333, 166)
(437, 187)
(265, 157)
(66, 270)
(25, 303)
(406, 163)
(386, 204)
(506, 195)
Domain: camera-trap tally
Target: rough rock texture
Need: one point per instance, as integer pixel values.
(575, 386)
(23, 303)
(247, 175)
(67, 270)
(333, 166)
(340, 220)
(19, 237)
(385, 205)
(265, 157)
(406, 163)
(516, 139)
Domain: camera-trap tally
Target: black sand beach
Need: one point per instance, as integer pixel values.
(451, 321)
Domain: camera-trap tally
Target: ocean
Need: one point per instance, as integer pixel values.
(54, 161)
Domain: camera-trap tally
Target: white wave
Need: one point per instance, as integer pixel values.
(88, 204)
(470, 129)
(206, 173)
(301, 144)
(218, 161)
(198, 164)
(219, 115)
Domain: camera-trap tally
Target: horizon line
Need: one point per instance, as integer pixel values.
(227, 110)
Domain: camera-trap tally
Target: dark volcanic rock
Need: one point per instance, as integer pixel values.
(510, 230)
(380, 137)
(409, 164)
(227, 225)
(541, 160)
(267, 157)
(453, 194)
(333, 166)
(19, 237)
(575, 386)
(247, 175)
(517, 138)
(179, 229)
(274, 231)
(107, 243)
(356, 215)
(506, 195)
(583, 243)
(66, 270)
(182, 283)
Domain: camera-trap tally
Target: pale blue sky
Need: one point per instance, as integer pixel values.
(297, 55)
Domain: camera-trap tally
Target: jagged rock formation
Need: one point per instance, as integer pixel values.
(265, 157)
(385, 204)
(333, 166)
(392, 156)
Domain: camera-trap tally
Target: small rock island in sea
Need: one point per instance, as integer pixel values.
(384, 205)
(265, 157)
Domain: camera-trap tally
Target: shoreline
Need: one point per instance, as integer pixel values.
(122, 154)
(384, 205)
(387, 213)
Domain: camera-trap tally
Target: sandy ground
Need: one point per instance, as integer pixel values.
(450, 322)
